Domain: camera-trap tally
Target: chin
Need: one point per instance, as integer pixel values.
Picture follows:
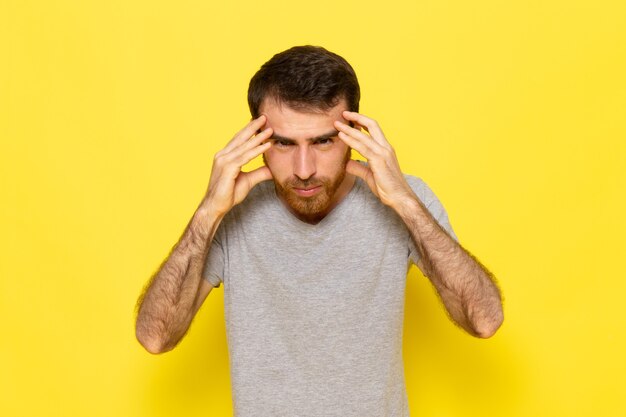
(311, 207)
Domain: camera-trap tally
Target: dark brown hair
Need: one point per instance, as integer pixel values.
(308, 77)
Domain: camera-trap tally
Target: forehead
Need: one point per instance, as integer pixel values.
(300, 123)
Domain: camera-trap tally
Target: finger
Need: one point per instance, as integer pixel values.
(252, 153)
(364, 137)
(362, 171)
(358, 146)
(256, 176)
(357, 168)
(252, 143)
(355, 133)
(246, 133)
(236, 157)
(247, 180)
(252, 127)
(358, 140)
(369, 124)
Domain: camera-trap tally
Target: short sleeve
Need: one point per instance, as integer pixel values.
(214, 264)
(434, 206)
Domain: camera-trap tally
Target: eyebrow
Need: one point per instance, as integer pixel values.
(316, 138)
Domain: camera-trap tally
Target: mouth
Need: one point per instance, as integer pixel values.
(307, 192)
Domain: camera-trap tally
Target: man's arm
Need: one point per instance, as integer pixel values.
(166, 307)
(467, 289)
(174, 294)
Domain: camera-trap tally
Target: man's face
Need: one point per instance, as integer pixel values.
(307, 159)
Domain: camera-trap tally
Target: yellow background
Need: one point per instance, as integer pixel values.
(111, 111)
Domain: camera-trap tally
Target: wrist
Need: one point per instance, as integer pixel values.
(413, 212)
(206, 219)
(407, 205)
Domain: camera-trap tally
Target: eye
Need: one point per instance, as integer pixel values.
(282, 143)
(324, 141)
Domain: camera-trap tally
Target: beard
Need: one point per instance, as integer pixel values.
(315, 207)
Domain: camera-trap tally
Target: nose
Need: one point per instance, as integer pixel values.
(304, 163)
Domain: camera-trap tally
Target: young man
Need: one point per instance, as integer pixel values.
(313, 250)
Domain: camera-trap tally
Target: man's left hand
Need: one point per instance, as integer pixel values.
(382, 174)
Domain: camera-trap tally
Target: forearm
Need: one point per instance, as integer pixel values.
(165, 309)
(466, 287)
(167, 306)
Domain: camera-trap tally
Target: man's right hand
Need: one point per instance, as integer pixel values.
(173, 295)
(228, 185)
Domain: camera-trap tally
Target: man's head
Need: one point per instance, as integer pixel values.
(302, 91)
(307, 78)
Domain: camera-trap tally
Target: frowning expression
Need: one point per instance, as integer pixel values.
(307, 160)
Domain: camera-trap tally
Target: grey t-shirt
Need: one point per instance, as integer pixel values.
(314, 313)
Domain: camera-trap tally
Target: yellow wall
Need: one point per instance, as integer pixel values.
(111, 111)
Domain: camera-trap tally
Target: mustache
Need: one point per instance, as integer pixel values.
(308, 183)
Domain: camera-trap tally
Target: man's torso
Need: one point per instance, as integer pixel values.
(314, 313)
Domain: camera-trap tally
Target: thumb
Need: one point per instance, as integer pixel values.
(258, 175)
(362, 171)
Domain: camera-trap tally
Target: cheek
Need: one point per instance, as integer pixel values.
(342, 149)
(332, 164)
(273, 157)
